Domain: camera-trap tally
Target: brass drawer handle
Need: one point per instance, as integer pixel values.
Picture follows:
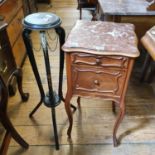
(98, 62)
(96, 82)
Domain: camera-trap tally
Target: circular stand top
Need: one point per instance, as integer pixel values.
(41, 21)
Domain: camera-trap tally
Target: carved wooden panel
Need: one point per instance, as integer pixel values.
(98, 82)
(100, 61)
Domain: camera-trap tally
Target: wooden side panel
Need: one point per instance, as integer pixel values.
(19, 51)
(12, 11)
(98, 82)
(15, 27)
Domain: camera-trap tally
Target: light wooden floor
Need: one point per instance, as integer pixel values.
(93, 123)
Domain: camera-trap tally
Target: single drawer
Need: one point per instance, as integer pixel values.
(15, 27)
(98, 82)
(99, 60)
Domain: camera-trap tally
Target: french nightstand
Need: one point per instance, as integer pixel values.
(99, 61)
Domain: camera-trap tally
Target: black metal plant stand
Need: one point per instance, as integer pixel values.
(51, 99)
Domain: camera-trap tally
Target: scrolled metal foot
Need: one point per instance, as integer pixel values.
(25, 97)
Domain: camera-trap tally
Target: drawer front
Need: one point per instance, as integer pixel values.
(98, 82)
(100, 61)
(15, 27)
(7, 65)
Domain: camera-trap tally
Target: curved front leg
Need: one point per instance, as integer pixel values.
(113, 106)
(4, 119)
(61, 33)
(79, 101)
(19, 76)
(69, 112)
(10, 128)
(118, 121)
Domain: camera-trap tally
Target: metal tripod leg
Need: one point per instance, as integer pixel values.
(61, 32)
(52, 97)
(27, 41)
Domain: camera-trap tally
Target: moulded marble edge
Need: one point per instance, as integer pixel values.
(117, 53)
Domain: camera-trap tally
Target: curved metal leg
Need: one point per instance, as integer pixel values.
(29, 50)
(52, 97)
(55, 128)
(118, 121)
(36, 107)
(19, 76)
(61, 32)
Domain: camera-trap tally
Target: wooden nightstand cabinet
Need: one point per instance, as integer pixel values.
(91, 75)
(97, 75)
(99, 61)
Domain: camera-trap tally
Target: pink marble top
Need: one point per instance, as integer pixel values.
(148, 41)
(103, 38)
(126, 7)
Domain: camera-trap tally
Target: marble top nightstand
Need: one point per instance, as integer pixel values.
(99, 61)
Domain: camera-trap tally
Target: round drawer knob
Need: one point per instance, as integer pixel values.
(98, 61)
(96, 82)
